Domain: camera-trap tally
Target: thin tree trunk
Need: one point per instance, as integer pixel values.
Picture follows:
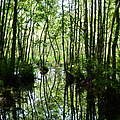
(14, 38)
(2, 31)
(5, 23)
(71, 48)
(86, 30)
(24, 39)
(44, 42)
(27, 41)
(94, 37)
(115, 42)
(106, 35)
(111, 33)
(63, 35)
(7, 32)
(91, 29)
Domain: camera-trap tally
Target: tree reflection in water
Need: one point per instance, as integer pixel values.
(47, 97)
(41, 100)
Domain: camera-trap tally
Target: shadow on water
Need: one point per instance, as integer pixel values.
(13, 97)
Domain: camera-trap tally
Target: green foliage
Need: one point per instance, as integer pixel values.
(75, 71)
(26, 71)
(4, 68)
(1, 83)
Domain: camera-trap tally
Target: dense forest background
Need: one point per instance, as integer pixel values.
(80, 36)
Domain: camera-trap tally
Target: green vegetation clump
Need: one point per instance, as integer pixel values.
(4, 69)
(23, 74)
(26, 72)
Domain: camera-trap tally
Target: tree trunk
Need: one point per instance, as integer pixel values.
(14, 38)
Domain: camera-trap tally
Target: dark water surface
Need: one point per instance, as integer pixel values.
(41, 100)
(48, 98)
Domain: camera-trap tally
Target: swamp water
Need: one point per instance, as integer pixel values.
(41, 100)
(45, 99)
